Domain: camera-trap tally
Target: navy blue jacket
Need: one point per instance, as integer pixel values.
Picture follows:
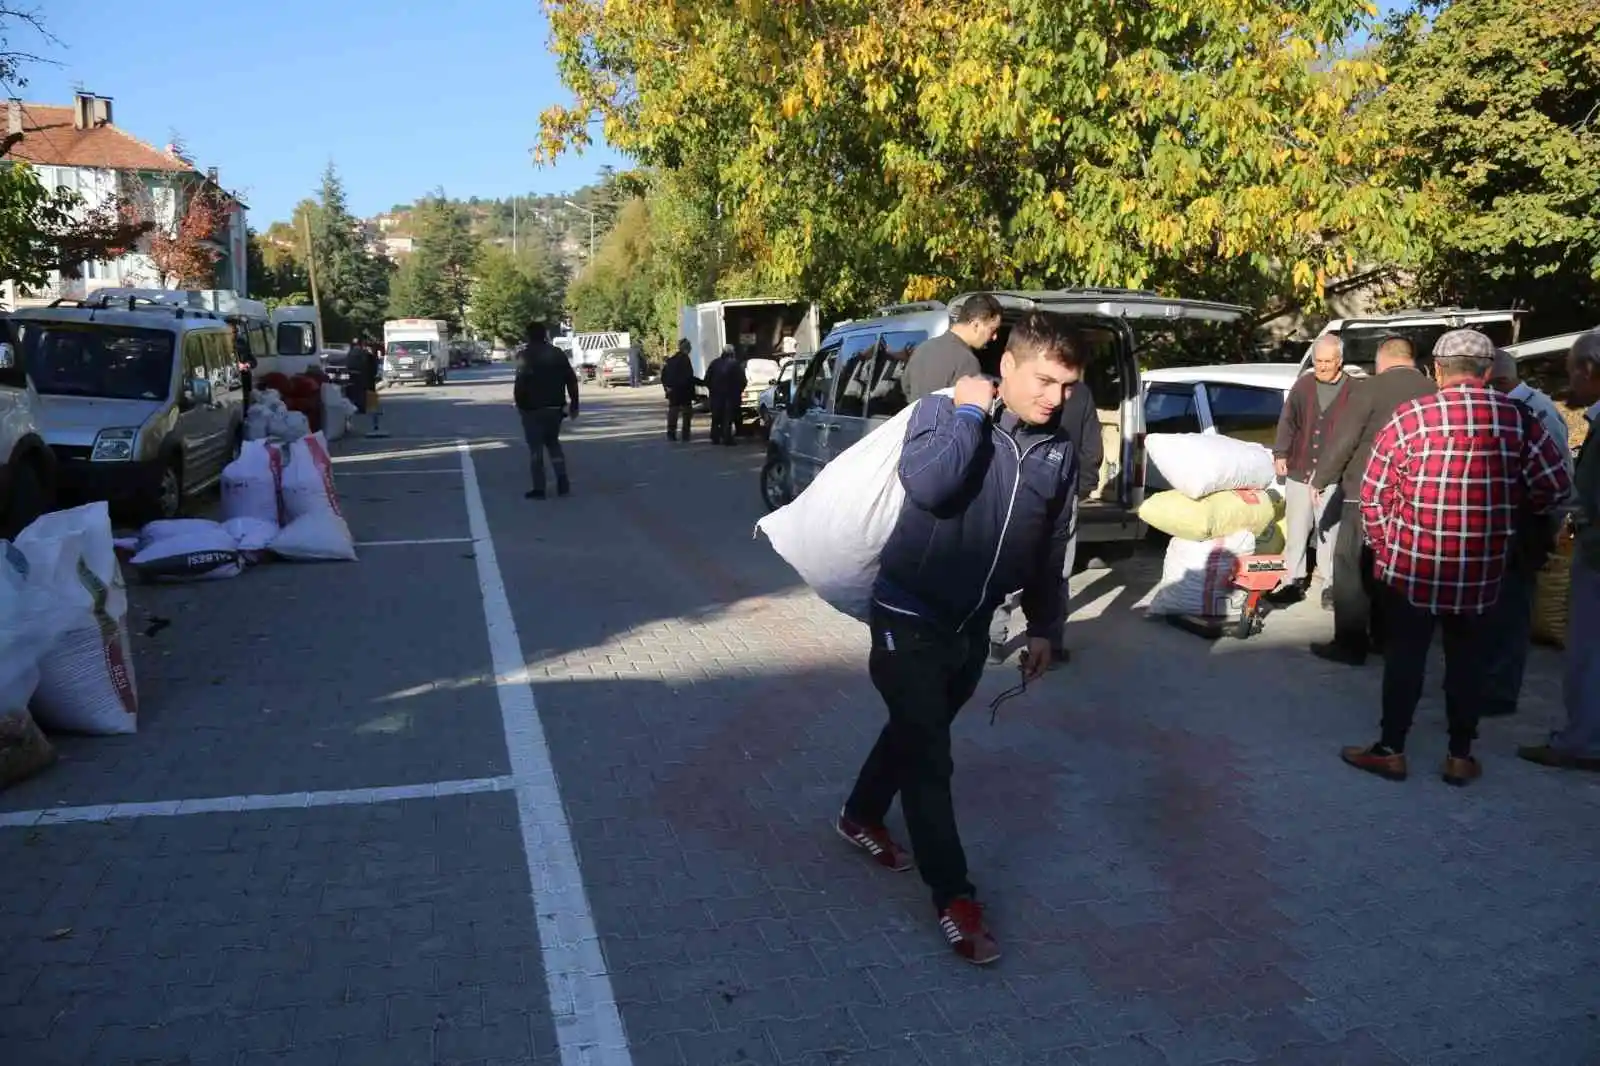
(986, 513)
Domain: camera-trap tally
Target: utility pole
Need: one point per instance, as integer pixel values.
(513, 227)
(311, 264)
(591, 215)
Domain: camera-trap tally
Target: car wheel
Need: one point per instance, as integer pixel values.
(775, 482)
(29, 498)
(167, 500)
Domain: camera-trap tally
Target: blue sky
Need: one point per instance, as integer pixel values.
(402, 99)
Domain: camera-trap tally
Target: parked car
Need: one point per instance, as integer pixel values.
(613, 369)
(27, 466)
(1243, 401)
(852, 383)
(138, 404)
(498, 354)
(775, 396)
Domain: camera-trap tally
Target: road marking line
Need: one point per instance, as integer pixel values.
(349, 797)
(391, 473)
(588, 1025)
(409, 543)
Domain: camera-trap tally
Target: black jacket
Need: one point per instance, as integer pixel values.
(1080, 421)
(1372, 403)
(545, 380)
(725, 378)
(986, 513)
(677, 378)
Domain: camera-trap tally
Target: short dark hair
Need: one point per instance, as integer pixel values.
(979, 307)
(536, 333)
(1039, 335)
(1397, 348)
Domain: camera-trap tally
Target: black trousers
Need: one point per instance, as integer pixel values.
(925, 675)
(1358, 622)
(1506, 658)
(724, 419)
(542, 428)
(1408, 637)
(679, 413)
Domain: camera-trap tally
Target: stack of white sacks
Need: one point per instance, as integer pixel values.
(1218, 511)
(277, 501)
(269, 418)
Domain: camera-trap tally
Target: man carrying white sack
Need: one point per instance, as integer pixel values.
(988, 509)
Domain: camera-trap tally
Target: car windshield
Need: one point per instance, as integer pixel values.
(111, 362)
(1361, 343)
(411, 347)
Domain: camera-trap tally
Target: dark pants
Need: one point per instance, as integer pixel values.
(542, 428)
(1358, 622)
(679, 412)
(724, 419)
(1408, 637)
(1511, 619)
(924, 675)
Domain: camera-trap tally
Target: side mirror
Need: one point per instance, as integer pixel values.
(8, 357)
(196, 393)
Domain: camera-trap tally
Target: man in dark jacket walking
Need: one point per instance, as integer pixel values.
(725, 380)
(678, 382)
(1357, 617)
(546, 393)
(1311, 415)
(988, 508)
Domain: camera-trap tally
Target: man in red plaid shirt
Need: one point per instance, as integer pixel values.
(1448, 478)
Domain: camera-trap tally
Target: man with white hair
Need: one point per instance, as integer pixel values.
(1311, 415)
(1448, 477)
(1577, 744)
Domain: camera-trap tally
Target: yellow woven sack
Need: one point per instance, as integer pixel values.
(1552, 585)
(1217, 515)
(1275, 539)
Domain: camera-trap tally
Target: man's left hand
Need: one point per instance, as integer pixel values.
(1035, 659)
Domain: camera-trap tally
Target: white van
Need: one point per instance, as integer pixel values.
(27, 466)
(141, 403)
(416, 349)
(1422, 327)
(852, 384)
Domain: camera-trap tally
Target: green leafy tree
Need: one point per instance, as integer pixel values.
(618, 290)
(1498, 105)
(509, 292)
(439, 283)
(867, 149)
(352, 283)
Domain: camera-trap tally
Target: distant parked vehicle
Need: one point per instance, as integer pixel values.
(614, 369)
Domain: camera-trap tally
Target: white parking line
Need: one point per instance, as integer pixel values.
(113, 812)
(450, 472)
(588, 1025)
(412, 543)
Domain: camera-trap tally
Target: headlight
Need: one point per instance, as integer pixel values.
(113, 445)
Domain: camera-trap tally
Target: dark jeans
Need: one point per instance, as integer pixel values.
(542, 428)
(1511, 619)
(676, 413)
(1408, 638)
(1357, 605)
(725, 420)
(925, 675)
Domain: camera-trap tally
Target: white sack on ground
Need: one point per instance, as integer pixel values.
(307, 483)
(315, 536)
(1197, 576)
(29, 625)
(86, 680)
(204, 552)
(1199, 464)
(250, 483)
(251, 535)
(834, 532)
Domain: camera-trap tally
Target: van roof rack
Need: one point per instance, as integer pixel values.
(908, 308)
(129, 301)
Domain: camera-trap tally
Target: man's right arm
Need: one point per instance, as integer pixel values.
(941, 442)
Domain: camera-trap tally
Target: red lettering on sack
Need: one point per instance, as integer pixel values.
(319, 456)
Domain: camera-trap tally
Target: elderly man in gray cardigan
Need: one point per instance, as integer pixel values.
(1310, 413)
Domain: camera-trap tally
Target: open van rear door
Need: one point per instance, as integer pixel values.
(1115, 303)
(808, 338)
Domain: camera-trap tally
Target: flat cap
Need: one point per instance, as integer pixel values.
(1464, 344)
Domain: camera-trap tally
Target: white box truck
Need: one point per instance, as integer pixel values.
(763, 331)
(416, 349)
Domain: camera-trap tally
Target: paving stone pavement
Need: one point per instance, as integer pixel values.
(1179, 868)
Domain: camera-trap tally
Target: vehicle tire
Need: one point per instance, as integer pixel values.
(167, 500)
(775, 482)
(29, 498)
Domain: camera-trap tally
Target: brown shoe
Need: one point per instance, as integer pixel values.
(1461, 770)
(1545, 755)
(1390, 767)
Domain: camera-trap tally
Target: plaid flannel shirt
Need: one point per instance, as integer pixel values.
(1442, 491)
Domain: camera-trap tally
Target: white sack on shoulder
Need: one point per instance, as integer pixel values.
(1198, 464)
(250, 483)
(833, 533)
(86, 680)
(205, 553)
(307, 484)
(315, 536)
(1197, 576)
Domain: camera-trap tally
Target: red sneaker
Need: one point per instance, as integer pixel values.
(962, 925)
(875, 841)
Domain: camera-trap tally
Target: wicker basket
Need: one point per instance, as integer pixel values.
(1551, 588)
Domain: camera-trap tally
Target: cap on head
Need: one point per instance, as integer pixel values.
(1463, 353)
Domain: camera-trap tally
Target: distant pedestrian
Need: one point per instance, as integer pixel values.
(546, 394)
(942, 361)
(1310, 417)
(725, 380)
(1341, 463)
(1448, 476)
(988, 507)
(1576, 745)
(678, 382)
(635, 364)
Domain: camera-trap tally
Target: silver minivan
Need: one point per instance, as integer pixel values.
(852, 384)
(141, 403)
